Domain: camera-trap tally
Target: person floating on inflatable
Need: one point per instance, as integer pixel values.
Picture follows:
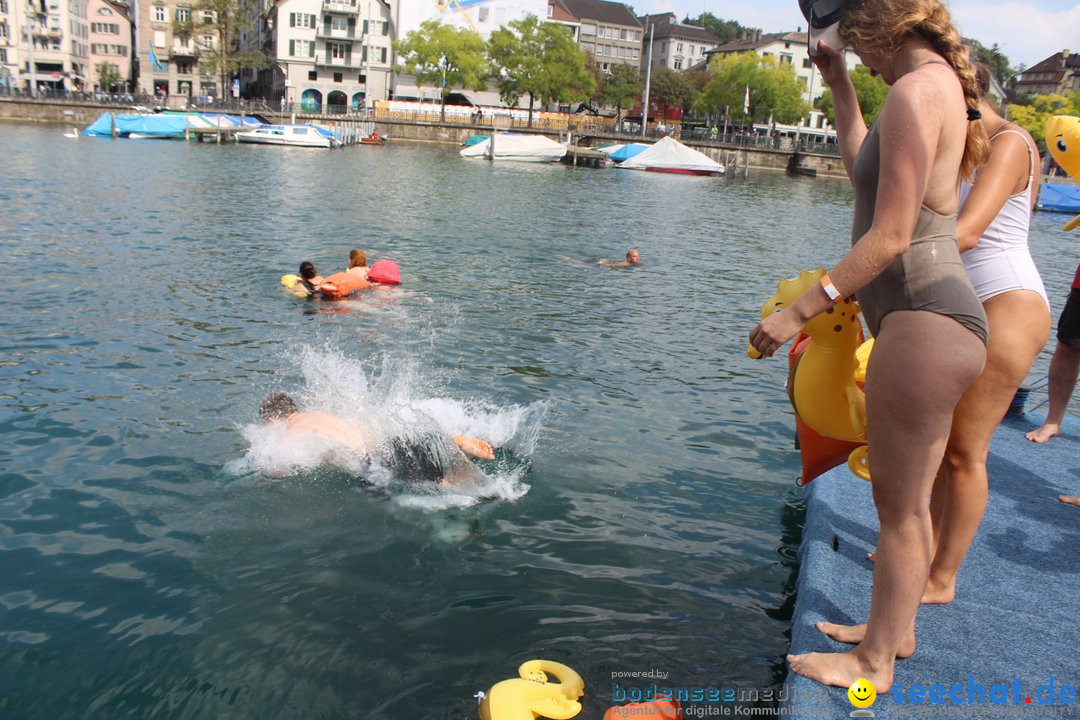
(342, 284)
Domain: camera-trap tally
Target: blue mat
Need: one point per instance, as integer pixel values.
(1017, 610)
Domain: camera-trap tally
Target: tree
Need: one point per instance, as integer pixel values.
(108, 77)
(621, 88)
(670, 89)
(725, 30)
(994, 59)
(540, 60)
(1033, 117)
(773, 88)
(870, 90)
(214, 26)
(444, 57)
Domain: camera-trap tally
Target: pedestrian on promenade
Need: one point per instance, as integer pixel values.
(904, 266)
(1064, 366)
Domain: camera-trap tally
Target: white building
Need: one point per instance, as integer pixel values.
(788, 48)
(674, 45)
(55, 33)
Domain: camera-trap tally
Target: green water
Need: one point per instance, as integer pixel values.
(641, 515)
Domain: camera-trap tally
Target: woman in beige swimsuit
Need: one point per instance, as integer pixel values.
(905, 269)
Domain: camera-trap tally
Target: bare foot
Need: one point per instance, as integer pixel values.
(854, 634)
(475, 447)
(1044, 433)
(939, 593)
(840, 669)
(1070, 500)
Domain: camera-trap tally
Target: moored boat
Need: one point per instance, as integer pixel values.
(305, 135)
(518, 147)
(671, 156)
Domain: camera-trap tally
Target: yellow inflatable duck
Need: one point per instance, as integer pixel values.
(822, 382)
(1063, 141)
(531, 695)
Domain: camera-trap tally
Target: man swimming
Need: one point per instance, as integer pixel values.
(423, 455)
(632, 258)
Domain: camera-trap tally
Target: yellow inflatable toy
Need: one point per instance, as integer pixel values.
(531, 695)
(1063, 141)
(822, 383)
(292, 282)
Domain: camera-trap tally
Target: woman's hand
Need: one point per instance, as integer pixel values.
(771, 333)
(830, 63)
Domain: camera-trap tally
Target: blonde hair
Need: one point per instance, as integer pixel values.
(882, 26)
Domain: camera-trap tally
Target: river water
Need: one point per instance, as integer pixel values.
(641, 513)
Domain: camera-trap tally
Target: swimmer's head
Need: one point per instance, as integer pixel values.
(633, 257)
(357, 258)
(307, 270)
(277, 406)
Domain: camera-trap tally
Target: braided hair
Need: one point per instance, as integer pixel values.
(861, 26)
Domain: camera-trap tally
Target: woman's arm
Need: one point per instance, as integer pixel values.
(850, 126)
(1007, 167)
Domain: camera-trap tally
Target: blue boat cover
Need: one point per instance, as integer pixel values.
(628, 151)
(1062, 198)
(162, 125)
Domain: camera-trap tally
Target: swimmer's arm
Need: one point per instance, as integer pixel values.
(997, 180)
(850, 126)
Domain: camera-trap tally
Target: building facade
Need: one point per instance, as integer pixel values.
(609, 31)
(110, 44)
(1059, 73)
(168, 63)
(329, 56)
(559, 15)
(44, 45)
(674, 45)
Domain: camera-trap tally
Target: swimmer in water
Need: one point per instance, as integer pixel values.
(422, 455)
(632, 258)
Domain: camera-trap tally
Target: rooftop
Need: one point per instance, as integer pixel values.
(601, 11)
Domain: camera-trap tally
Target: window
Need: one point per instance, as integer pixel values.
(678, 64)
(588, 29)
(99, 49)
(806, 63)
(3, 6)
(159, 13)
(622, 34)
(159, 38)
(3, 30)
(551, 10)
(312, 75)
(207, 17)
(339, 23)
(361, 78)
(3, 55)
(678, 47)
(183, 68)
(339, 51)
(482, 16)
(785, 58)
(588, 47)
(637, 36)
(382, 55)
(101, 11)
(183, 14)
(635, 51)
(301, 20)
(105, 28)
(338, 77)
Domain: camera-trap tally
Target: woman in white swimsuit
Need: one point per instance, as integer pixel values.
(992, 232)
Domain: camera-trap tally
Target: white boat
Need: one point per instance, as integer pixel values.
(299, 135)
(671, 156)
(516, 146)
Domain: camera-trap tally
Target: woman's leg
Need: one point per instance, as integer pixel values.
(1019, 327)
(921, 365)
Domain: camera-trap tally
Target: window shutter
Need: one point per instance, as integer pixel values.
(364, 31)
(311, 49)
(312, 23)
(382, 55)
(292, 48)
(292, 21)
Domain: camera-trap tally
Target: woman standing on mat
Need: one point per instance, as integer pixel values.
(929, 327)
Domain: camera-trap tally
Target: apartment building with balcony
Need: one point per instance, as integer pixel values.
(110, 43)
(167, 62)
(44, 44)
(328, 55)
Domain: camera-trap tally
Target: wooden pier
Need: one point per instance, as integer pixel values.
(586, 157)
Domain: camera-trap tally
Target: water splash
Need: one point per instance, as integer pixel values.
(390, 397)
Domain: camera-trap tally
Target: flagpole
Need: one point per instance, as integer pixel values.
(648, 76)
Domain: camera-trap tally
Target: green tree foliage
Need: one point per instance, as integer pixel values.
(994, 59)
(214, 28)
(540, 60)
(725, 30)
(444, 57)
(670, 89)
(621, 88)
(1033, 117)
(871, 91)
(774, 88)
(108, 76)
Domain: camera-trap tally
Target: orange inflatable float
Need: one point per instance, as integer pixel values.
(342, 284)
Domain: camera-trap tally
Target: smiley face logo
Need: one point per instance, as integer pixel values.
(862, 693)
